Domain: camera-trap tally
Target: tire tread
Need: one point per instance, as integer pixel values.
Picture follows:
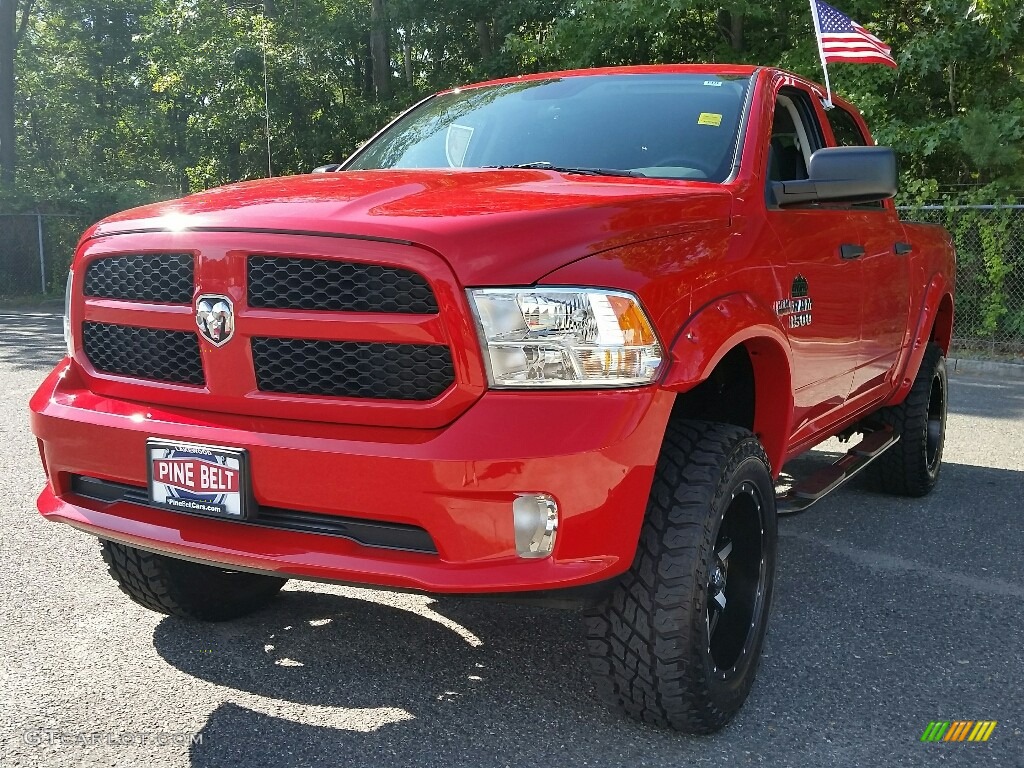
(174, 587)
(902, 470)
(641, 640)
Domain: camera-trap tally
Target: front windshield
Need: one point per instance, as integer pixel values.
(677, 126)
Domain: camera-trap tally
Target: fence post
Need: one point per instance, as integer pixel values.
(42, 253)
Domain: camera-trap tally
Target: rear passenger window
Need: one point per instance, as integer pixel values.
(845, 128)
(847, 134)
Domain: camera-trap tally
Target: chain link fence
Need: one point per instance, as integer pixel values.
(989, 321)
(36, 249)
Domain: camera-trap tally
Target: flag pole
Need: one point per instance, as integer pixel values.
(821, 53)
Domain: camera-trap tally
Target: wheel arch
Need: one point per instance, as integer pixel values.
(732, 362)
(942, 328)
(934, 323)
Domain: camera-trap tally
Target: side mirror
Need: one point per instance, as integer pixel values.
(843, 175)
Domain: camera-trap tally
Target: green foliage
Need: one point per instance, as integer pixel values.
(990, 274)
(121, 102)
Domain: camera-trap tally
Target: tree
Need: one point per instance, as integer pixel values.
(119, 102)
(379, 49)
(11, 32)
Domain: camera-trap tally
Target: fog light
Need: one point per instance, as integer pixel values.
(536, 522)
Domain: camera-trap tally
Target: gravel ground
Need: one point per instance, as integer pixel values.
(889, 613)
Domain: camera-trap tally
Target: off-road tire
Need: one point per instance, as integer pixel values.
(912, 466)
(649, 643)
(185, 589)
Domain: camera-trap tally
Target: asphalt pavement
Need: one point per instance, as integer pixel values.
(889, 613)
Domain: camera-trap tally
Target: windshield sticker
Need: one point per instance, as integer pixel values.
(709, 118)
(456, 144)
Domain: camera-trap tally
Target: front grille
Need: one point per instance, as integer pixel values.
(160, 277)
(369, 533)
(352, 369)
(145, 353)
(339, 286)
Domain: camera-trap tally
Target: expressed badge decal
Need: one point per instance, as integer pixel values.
(798, 307)
(215, 318)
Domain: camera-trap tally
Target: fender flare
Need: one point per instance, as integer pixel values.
(719, 327)
(934, 295)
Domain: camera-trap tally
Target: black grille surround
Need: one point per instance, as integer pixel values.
(167, 278)
(352, 369)
(145, 353)
(369, 533)
(277, 282)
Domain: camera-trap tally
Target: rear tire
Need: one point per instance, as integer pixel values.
(912, 466)
(184, 589)
(678, 641)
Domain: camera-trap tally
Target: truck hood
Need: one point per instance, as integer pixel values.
(493, 227)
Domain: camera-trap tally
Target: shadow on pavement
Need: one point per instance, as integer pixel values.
(432, 693)
(889, 613)
(30, 340)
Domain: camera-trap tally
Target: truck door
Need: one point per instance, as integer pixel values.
(885, 298)
(821, 307)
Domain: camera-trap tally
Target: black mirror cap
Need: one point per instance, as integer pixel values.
(843, 175)
(871, 169)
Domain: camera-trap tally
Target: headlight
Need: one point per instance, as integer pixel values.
(67, 315)
(565, 337)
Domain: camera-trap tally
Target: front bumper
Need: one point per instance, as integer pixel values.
(593, 451)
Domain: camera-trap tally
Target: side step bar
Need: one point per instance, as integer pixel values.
(815, 487)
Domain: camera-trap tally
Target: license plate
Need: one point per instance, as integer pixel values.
(200, 479)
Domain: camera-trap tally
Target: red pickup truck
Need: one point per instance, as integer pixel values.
(548, 337)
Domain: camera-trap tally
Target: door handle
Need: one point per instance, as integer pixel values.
(848, 251)
(902, 249)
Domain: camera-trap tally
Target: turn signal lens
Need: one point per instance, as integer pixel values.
(635, 329)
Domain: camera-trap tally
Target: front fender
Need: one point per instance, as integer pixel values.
(716, 329)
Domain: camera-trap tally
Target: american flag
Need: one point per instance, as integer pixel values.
(842, 39)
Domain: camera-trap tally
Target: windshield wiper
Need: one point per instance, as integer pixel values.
(544, 165)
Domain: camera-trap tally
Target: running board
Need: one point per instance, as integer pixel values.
(815, 487)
